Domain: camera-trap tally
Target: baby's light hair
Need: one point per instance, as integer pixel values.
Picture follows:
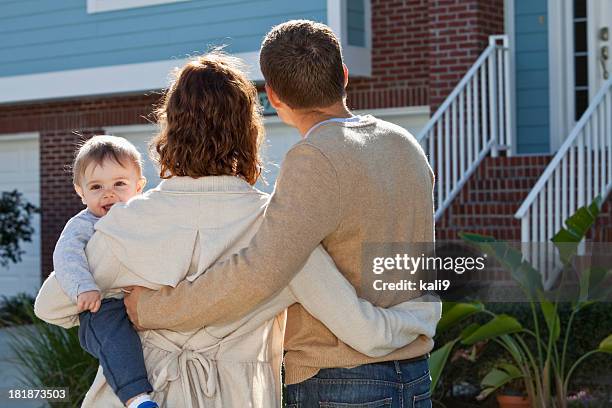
(104, 147)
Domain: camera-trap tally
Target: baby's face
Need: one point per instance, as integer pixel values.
(103, 185)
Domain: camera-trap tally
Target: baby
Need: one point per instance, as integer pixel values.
(107, 170)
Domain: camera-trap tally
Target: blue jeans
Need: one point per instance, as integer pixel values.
(109, 336)
(392, 384)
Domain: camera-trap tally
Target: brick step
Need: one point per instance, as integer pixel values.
(529, 171)
(484, 208)
(468, 221)
(453, 234)
(502, 184)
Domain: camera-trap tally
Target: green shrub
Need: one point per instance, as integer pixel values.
(50, 356)
(16, 215)
(13, 310)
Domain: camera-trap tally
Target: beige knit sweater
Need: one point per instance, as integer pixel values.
(348, 184)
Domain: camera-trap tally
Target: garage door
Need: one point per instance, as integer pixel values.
(279, 139)
(19, 169)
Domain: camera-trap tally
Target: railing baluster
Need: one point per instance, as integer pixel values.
(491, 88)
(500, 98)
(525, 226)
(572, 179)
(580, 152)
(565, 191)
(454, 144)
(431, 153)
(550, 222)
(557, 201)
(542, 216)
(534, 221)
(447, 146)
(477, 120)
(440, 165)
(600, 148)
(461, 134)
(486, 136)
(508, 103)
(469, 122)
(594, 152)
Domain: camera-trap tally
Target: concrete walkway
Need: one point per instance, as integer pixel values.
(10, 374)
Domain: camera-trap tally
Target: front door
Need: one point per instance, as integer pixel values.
(599, 25)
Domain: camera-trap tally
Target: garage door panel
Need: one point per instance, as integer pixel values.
(19, 169)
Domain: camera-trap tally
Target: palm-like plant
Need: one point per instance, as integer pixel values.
(539, 362)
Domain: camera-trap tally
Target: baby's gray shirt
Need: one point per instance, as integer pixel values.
(69, 259)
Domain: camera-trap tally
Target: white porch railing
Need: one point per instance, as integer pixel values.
(474, 120)
(580, 171)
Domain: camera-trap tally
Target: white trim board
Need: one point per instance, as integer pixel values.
(114, 130)
(510, 31)
(561, 78)
(100, 6)
(115, 79)
(10, 137)
(358, 59)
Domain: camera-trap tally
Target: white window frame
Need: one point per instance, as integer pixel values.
(101, 6)
(357, 59)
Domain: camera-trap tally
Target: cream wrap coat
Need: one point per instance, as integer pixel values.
(174, 232)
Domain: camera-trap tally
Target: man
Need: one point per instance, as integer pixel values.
(352, 180)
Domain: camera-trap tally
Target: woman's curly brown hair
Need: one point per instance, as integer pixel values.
(210, 121)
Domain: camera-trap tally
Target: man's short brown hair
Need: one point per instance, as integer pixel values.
(302, 62)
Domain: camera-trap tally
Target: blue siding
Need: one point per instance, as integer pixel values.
(532, 89)
(356, 22)
(44, 35)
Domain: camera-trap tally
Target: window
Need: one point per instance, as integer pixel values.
(100, 6)
(355, 22)
(581, 65)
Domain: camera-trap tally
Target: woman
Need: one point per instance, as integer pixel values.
(207, 209)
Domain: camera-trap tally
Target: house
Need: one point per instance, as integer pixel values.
(491, 112)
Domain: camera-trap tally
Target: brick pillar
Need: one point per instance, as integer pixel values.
(458, 33)
(59, 202)
(399, 58)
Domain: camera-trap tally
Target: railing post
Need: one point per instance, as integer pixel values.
(525, 233)
(509, 93)
(492, 88)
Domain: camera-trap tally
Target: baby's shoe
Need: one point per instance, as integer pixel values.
(148, 404)
(143, 401)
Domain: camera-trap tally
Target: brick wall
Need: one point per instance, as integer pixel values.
(459, 32)
(400, 37)
(62, 125)
(422, 48)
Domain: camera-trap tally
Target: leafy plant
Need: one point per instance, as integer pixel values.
(537, 361)
(50, 356)
(13, 310)
(15, 225)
